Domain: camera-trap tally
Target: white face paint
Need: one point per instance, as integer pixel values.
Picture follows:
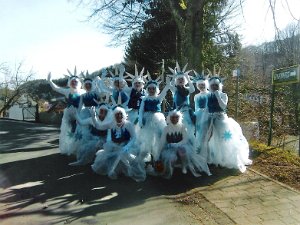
(201, 86)
(138, 86)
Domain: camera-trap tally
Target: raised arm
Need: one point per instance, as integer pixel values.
(60, 90)
(222, 99)
(191, 87)
(172, 85)
(163, 93)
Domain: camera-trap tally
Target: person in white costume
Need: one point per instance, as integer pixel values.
(151, 120)
(94, 136)
(68, 123)
(181, 87)
(224, 139)
(87, 100)
(201, 113)
(135, 93)
(119, 153)
(175, 148)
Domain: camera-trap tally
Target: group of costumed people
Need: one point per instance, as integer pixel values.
(122, 130)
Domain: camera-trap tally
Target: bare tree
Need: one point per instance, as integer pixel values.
(11, 85)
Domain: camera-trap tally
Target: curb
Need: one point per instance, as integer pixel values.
(276, 181)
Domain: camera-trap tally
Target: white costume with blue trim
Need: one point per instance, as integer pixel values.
(176, 148)
(226, 143)
(68, 123)
(152, 123)
(119, 153)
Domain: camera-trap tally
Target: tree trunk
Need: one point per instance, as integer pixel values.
(194, 29)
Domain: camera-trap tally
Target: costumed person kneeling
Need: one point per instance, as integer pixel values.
(68, 123)
(226, 143)
(176, 149)
(119, 153)
(94, 136)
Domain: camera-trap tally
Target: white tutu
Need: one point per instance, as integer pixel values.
(117, 159)
(149, 135)
(67, 132)
(184, 156)
(201, 130)
(87, 148)
(82, 132)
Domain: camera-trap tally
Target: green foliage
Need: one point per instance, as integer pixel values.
(156, 41)
(161, 37)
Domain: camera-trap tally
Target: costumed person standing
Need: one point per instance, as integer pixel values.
(181, 97)
(119, 153)
(68, 123)
(137, 92)
(175, 148)
(120, 88)
(226, 143)
(87, 100)
(201, 113)
(98, 124)
(151, 120)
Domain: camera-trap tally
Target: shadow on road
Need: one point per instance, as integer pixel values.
(48, 186)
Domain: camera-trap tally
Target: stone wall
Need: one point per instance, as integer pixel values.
(250, 130)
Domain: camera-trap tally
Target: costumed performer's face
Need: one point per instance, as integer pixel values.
(174, 119)
(180, 81)
(214, 87)
(119, 117)
(151, 90)
(201, 86)
(102, 114)
(138, 86)
(88, 86)
(73, 83)
(118, 84)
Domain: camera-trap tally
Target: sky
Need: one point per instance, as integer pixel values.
(51, 36)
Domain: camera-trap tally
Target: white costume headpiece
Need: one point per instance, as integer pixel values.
(215, 78)
(137, 77)
(178, 73)
(153, 83)
(73, 76)
(201, 79)
(119, 73)
(175, 112)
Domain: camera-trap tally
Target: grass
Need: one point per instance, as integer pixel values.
(279, 164)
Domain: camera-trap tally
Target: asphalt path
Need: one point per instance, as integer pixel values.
(37, 186)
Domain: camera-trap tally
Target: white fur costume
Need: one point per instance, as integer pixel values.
(176, 148)
(119, 153)
(94, 135)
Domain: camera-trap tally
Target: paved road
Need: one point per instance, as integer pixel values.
(38, 187)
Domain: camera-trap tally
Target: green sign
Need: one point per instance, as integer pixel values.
(286, 75)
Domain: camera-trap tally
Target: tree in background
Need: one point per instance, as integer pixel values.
(200, 25)
(11, 85)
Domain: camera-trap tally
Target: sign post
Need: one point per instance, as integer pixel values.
(282, 76)
(236, 73)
